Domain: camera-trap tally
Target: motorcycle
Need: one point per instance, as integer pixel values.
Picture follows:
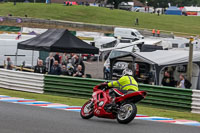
(122, 107)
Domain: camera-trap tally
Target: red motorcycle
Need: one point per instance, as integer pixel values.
(103, 105)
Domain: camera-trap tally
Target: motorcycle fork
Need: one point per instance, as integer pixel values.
(91, 104)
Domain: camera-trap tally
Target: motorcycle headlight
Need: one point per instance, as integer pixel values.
(101, 103)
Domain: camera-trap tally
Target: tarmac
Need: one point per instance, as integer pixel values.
(17, 118)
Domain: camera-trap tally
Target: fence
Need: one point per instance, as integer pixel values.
(82, 87)
(196, 101)
(70, 86)
(168, 96)
(23, 81)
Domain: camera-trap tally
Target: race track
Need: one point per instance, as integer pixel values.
(16, 118)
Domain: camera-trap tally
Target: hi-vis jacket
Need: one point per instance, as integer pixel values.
(125, 83)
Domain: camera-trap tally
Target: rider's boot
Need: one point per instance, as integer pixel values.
(112, 104)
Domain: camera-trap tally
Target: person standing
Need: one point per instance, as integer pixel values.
(158, 12)
(65, 59)
(158, 33)
(153, 32)
(40, 68)
(57, 57)
(183, 83)
(168, 80)
(73, 58)
(14, 2)
(49, 62)
(136, 21)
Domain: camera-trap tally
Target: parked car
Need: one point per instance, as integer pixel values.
(117, 68)
(128, 33)
(125, 6)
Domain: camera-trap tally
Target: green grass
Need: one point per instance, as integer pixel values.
(43, 97)
(99, 15)
(142, 109)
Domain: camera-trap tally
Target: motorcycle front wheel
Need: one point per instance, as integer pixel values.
(87, 110)
(126, 113)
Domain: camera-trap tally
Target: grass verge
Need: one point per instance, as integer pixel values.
(99, 15)
(142, 109)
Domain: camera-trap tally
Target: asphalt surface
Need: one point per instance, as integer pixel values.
(16, 118)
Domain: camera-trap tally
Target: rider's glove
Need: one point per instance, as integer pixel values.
(104, 85)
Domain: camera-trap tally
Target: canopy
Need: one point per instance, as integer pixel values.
(58, 40)
(162, 57)
(168, 57)
(159, 59)
(173, 11)
(191, 9)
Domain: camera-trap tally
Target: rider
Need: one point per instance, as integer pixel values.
(126, 83)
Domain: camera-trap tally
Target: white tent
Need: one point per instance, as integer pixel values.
(191, 9)
(167, 57)
(161, 59)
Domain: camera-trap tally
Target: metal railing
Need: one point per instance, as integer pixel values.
(196, 101)
(23, 81)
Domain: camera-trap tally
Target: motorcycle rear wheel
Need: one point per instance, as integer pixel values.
(86, 111)
(127, 113)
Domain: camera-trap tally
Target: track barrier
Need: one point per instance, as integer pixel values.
(23, 81)
(184, 99)
(196, 101)
(82, 87)
(70, 86)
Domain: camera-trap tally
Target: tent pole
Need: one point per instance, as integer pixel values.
(16, 57)
(103, 56)
(98, 66)
(133, 68)
(112, 62)
(32, 58)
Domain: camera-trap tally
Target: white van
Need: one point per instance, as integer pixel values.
(128, 33)
(8, 47)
